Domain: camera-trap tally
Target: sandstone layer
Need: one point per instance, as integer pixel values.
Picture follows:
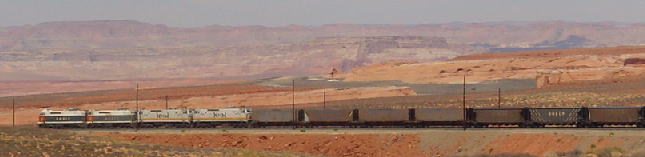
(550, 67)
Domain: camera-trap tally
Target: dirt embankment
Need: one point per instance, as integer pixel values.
(577, 65)
(321, 144)
(411, 143)
(25, 141)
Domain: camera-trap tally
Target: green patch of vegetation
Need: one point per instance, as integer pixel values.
(49, 142)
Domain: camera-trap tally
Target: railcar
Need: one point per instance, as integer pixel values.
(62, 118)
(221, 116)
(611, 116)
(273, 117)
(327, 117)
(426, 117)
(385, 117)
(164, 118)
(111, 118)
(542, 117)
(504, 117)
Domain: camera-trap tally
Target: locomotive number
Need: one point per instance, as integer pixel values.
(62, 118)
(556, 114)
(219, 114)
(110, 118)
(163, 116)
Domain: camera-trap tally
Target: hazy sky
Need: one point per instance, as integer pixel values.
(189, 13)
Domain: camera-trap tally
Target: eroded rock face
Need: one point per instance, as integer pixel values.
(312, 57)
(548, 67)
(113, 49)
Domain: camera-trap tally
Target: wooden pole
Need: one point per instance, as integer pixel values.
(324, 98)
(464, 100)
(137, 102)
(293, 101)
(13, 111)
(137, 99)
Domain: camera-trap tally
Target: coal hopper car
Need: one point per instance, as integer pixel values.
(327, 117)
(426, 117)
(615, 116)
(498, 117)
(386, 117)
(273, 117)
(560, 117)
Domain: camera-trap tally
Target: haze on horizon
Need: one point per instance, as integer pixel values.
(192, 13)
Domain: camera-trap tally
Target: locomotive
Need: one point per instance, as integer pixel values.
(581, 117)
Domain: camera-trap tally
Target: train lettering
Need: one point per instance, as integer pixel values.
(556, 114)
(62, 118)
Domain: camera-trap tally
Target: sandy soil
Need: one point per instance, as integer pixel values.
(399, 142)
(261, 99)
(538, 145)
(321, 144)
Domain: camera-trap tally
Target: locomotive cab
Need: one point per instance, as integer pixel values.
(65, 118)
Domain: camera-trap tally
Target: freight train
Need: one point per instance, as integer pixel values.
(581, 117)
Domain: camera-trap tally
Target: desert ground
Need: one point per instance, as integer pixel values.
(542, 78)
(396, 142)
(26, 141)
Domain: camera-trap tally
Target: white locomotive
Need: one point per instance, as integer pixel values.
(145, 118)
(63, 118)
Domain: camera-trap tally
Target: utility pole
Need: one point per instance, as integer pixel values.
(324, 97)
(13, 111)
(499, 97)
(137, 102)
(464, 100)
(166, 102)
(293, 101)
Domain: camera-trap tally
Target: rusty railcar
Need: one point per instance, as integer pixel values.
(385, 117)
(482, 117)
(557, 116)
(327, 117)
(615, 116)
(278, 117)
(439, 116)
